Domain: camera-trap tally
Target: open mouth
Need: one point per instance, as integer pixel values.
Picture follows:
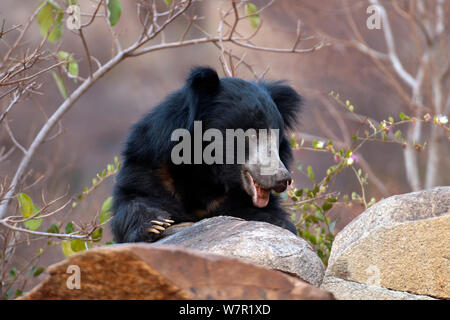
(260, 195)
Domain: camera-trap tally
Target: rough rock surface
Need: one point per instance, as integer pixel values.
(257, 242)
(401, 243)
(142, 271)
(348, 290)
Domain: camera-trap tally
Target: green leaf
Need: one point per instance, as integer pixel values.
(254, 19)
(317, 144)
(398, 134)
(106, 210)
(66, 248)
(72, 65)
(402, 115)
(13, 273)
(27, 208)
(97, 234)
(61, 87)
(327, 206)
(315, 190)
(310, 173)
(63, 55)
(167, 2)
(114, 11)
(105, 216)
(34, 223)
(25, 205)
(77, 245)
(73, 68)
(330, 170)
(54, 228)
(293, 218)
(319, 215)
(348, 153)
(50, 16)
(293, 143)
(38, 271)
(69, 228)
(320, 253)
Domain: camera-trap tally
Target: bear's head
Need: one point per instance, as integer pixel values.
(243, 127)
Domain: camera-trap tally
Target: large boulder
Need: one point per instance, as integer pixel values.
(349, 290)
(402, 244)
(142, 271)
(260, 243)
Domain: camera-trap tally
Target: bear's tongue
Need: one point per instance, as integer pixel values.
(261, 197)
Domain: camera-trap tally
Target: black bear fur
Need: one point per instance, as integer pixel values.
(152, 191)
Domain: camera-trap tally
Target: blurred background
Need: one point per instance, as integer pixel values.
(95, 128)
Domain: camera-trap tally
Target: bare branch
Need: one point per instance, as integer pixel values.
(86, 49)
(33, 75)
(4, 155)
(24, 30)
(40, 137)
(94, 15)
(389, 38)
(13, 138)
(135, 49)
(15, 98)
(46, 234)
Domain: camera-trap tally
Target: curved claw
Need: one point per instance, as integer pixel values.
(157, 222)
(159, 227)
(153, 230)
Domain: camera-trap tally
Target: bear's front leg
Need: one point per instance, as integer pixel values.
(138, 221)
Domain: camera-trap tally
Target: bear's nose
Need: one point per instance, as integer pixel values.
(281, 185)
(283, 179)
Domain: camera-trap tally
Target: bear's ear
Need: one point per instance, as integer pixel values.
(286, 99)
(203, 80)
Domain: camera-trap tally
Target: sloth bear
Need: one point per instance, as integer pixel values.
(155, 189)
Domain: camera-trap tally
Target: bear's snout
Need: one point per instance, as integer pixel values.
(258, 183)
